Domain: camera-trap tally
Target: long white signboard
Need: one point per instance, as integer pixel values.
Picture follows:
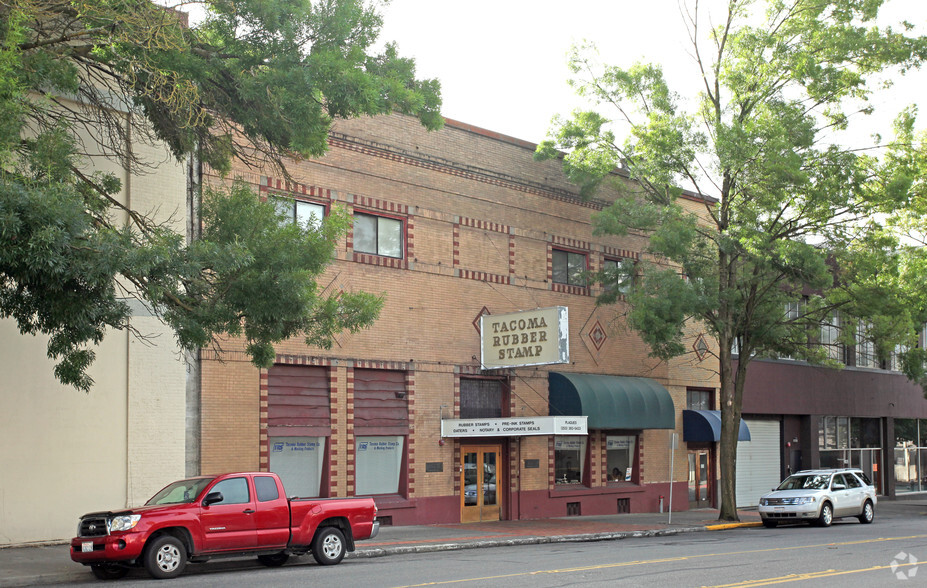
(516, 427)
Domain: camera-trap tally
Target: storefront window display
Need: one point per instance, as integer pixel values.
(848, 442)
(377, 464)
(298, 461)
(910, 456)
(620, 457)
(569, 459)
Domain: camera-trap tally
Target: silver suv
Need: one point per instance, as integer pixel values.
(820, 496)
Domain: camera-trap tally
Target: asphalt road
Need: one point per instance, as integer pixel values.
(886, 553)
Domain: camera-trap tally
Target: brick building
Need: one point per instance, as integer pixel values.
(452, 226)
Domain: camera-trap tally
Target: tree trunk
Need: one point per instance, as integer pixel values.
(730, 429)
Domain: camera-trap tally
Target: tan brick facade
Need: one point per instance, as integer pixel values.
(481, 220)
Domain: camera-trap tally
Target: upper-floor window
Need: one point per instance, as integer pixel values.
(378, 235)
(830, 337)
(308, 214)
(569, 268)
(622, 277)
(699, 399)
(865, 348)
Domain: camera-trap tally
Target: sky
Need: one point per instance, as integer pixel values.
(502, 63)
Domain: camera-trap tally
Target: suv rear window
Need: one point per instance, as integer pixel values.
(864, 478)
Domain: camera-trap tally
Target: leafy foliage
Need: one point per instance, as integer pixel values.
(257, 81)
(783, 225)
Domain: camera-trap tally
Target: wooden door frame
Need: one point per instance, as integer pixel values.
(501, 485)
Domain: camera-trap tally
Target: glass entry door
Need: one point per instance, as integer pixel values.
(479, 500)
(699, 486)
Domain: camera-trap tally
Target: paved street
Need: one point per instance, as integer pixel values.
(846, 554)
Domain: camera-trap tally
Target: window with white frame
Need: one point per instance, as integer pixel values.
(569, 458)
(568, 268)
(307, 214)
(377, 235)
(618, 269)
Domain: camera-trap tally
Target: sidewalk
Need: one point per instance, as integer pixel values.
(51, 564)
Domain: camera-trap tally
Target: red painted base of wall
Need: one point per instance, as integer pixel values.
(540, 504)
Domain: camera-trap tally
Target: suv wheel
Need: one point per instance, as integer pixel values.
(868, 513)
(827, 515)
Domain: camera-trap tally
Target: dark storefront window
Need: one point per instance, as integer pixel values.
(481, 398)
(569, 459)
(847, 442)
(381, 426)
(910, 456)
(298, 426)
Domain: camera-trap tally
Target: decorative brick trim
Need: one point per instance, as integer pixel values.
(551, 474)
(640, 452)
(410, 400)
(373, 149)
(483, 277)
(456, 245)
(264, 446)
(622, 253)
(570, 242)
(410, 239)
(349, 429)
(290, 359)
(457, 396)
(380, 365)
(456, 464)
(276, 185)
(603, 457)
(396, 262)
(511, 257)
(334, 469)
(389, 206)
(484, 225)
(568, 289)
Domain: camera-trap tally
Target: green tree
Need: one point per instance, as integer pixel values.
(259, 81)
(787, 211)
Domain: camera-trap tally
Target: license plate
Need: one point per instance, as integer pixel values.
(86, 546)
(778, 508)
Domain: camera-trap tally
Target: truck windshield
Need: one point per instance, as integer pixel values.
(184, 491)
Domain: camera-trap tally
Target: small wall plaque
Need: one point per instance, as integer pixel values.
(531, 464)
(434, 466)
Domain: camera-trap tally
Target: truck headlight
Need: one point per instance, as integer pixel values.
(124, 522)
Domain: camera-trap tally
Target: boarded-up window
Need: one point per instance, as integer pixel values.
(380, 403)
(481, 398)
(298, 401)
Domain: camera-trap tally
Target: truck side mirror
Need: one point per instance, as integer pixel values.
(212, 498)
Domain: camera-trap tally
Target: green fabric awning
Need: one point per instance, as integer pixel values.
(612, 402)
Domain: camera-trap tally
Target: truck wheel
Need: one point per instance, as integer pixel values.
(328, 546)
(274, 560)
(108, 571)
(165, 557)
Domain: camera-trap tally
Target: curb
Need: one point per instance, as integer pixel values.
(532, 540)
(723, 526)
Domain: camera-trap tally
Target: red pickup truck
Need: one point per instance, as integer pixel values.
(237, 514)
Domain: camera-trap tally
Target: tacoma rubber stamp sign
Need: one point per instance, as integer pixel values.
(531, 337)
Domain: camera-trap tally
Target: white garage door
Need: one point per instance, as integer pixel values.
(757, 462)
